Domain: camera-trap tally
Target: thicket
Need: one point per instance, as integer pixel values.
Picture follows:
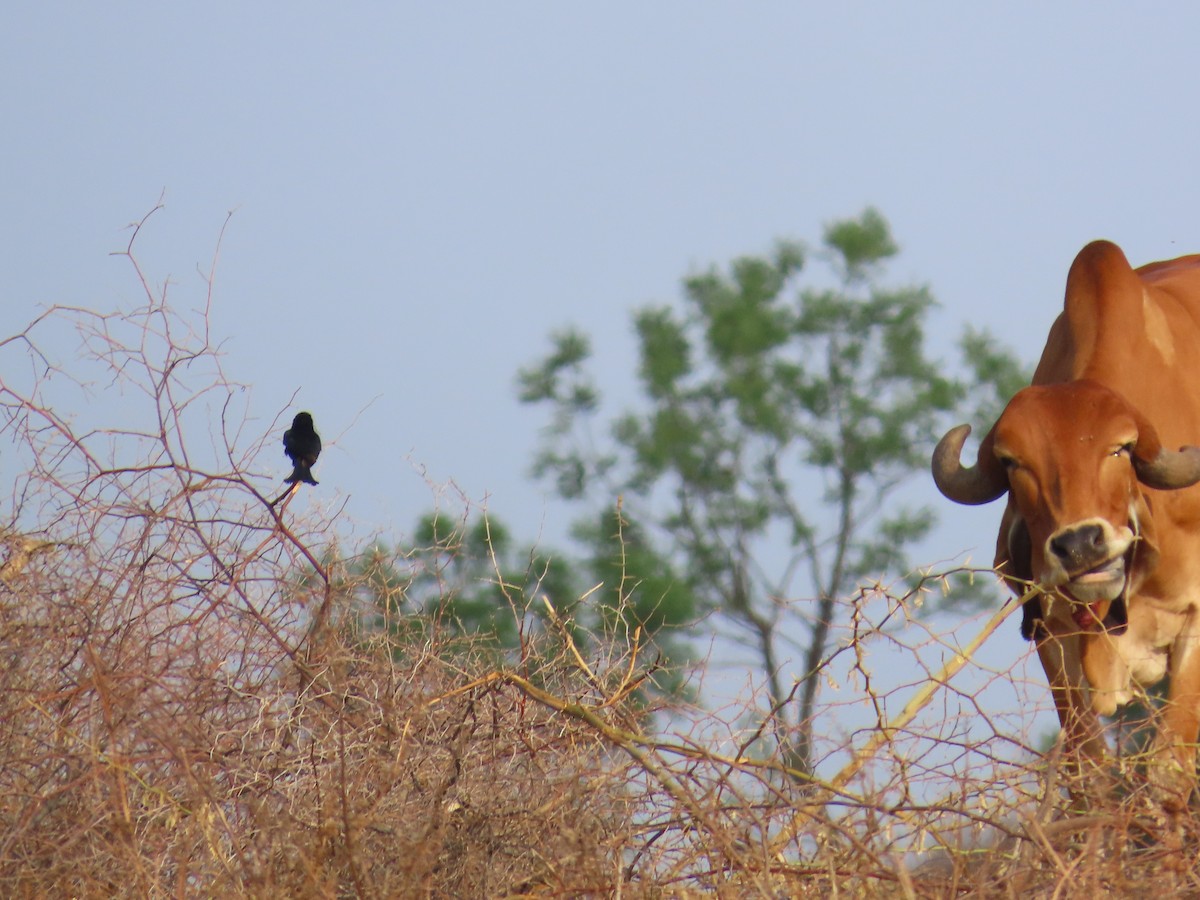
(201, 696)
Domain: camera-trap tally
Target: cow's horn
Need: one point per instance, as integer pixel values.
(970, 485)
(1169, 470)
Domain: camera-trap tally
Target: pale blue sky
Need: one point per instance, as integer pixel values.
(424, 191)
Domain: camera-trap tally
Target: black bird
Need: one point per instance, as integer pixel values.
(302, 445)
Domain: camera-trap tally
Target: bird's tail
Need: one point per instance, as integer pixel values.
(303, 473)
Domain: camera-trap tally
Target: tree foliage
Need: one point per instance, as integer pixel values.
(778, 418)
(466, 578)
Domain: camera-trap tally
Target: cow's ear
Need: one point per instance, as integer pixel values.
(1145, 547)
(1020, 550)
(1014, 550)
(1014, 562)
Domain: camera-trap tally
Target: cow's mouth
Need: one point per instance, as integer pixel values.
(1092, 591)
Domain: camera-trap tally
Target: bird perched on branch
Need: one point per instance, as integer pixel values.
(302, 445)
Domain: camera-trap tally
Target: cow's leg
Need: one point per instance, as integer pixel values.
(1175, 746)
(1082, 734)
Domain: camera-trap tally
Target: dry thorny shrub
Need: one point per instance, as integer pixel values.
(193, 704)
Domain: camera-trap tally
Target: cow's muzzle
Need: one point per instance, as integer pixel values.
(1087, 560)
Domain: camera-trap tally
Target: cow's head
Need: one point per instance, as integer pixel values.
(1074, 457)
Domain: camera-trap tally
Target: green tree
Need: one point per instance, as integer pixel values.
(468, 578)
(777, 421)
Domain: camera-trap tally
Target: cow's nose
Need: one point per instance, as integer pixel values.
(1078, 547)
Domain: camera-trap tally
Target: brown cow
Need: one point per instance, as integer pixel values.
(1100, 515)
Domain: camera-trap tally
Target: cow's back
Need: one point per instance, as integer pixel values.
(1135, 331)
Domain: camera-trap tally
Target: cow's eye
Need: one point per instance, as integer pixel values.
(1125, 450)
(1009, 463)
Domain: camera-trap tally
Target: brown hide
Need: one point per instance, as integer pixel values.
(1117, 387)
